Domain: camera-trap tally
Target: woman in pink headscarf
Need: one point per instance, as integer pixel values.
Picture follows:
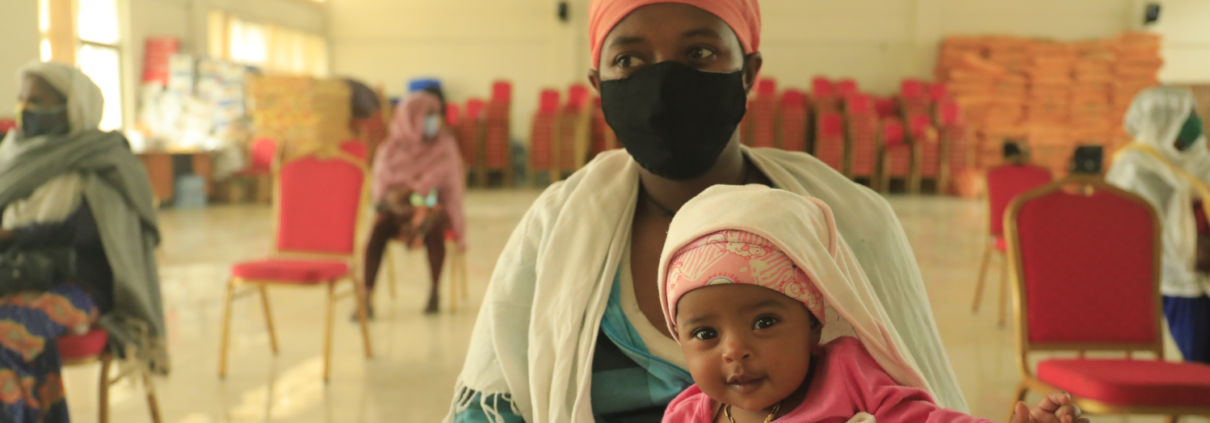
(571, 328)
(418, 186)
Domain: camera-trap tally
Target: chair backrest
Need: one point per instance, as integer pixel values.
(938, 92)
(474, 108)
(846, 88)
(577, 97)
(822, 87)
(793, 98)
(355, 148)
(548, 102)
(264, 152)
(886, 107)
(1004, 183)
(919, 125)
(766, 87)
(831, 125)
(859, 104)
(6, 125)
(948, 113)
(502, 92)
(318, 204)
(911, 88)
(892, 131)
(1086, 266)
(452, 114)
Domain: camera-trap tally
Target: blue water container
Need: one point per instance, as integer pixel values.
(422, 83)
(190, 192)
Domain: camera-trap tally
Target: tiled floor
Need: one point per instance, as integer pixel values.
(417, 357)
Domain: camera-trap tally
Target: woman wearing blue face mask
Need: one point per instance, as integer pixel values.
(79, 198)
(571, 329)
(1169, 165)
(418, 187)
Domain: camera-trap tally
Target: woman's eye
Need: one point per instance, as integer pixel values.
(705, 334)
(627, 61)
(765, 322)
(699, 53)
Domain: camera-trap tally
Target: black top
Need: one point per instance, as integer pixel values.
(80, 232)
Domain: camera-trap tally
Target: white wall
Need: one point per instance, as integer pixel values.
(1185, 25)
(19, 31)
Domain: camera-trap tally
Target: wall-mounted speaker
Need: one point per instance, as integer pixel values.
(564, 12)
(1152, 14)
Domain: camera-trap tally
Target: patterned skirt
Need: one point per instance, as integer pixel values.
(31, 389)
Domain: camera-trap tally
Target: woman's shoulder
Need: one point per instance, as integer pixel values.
(691, 406)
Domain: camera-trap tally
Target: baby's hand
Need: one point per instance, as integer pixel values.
(1054, 408)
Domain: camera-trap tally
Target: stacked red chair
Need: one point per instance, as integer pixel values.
(600, 130)
(1082, 237)
(575, 128)
(896, 152)
(863, 136)
(913, 98)
(452, 114)
(762, 112)
(928, 148)
(1004, 184)
(318, 205)
(543, 136)
(469, 131)
(794, 121)
(262, 156)
(959, 158)
(7, 125)
(829, 140)
(825, 95)
(885, 107)
(846, 88)
(496, 148)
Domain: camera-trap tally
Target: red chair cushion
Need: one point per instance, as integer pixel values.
(1000, 244)
(1131, 382)
(77, 347)
(291, 271)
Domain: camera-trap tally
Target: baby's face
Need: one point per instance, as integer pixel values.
(747, 346)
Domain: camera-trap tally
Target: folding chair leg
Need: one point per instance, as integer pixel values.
(153, 405)
(362, 318)
(222, 358)
(329, 317)
(264, 299)
(1003, 288)
(987, 255)
(103, 390)
(391, 280)
(1020, 396)
(1172, 419)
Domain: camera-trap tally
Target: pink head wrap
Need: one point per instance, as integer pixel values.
(734, 256)
(743, 16)
(406, 159)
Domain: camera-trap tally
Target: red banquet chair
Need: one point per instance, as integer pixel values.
(829, 140)
(896, 153)
(89, 349)
(7, 125)
(543, 148)
(1085, 260)
(1004, 183)
(470, 133)
(318, 205)
(794, 121)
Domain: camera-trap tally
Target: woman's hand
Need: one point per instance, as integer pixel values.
(1054, 408)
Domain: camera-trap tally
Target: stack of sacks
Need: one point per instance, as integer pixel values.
(468, 131)
(795, 116)
(300, 112)
(1137, 66)
(1049, 73)
(863, 135)
(829, 139)
(1009, 53)
(496, 134)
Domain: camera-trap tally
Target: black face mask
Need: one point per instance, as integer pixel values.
(51, 121)
(673, 119)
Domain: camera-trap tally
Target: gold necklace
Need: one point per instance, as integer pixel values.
(727, 412)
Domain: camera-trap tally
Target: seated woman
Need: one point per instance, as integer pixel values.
(778, 321)
(418, 187)
(71, 192)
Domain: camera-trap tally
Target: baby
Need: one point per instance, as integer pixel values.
(749, 278)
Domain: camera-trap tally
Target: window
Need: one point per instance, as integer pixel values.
(270, 47)
(99, 55)
(86, 33)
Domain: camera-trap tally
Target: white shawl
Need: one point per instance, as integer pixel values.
(1154, 119)
(804, 228)
(533, 342)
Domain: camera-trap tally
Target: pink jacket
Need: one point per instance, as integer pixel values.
(847, 381)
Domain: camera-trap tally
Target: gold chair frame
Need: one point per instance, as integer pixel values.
(105, 358)
(234, 284)
(455, 264)
(1086, 185)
